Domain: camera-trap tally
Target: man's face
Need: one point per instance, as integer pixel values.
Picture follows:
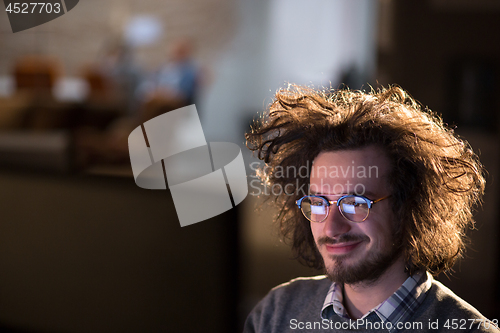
(355, 252)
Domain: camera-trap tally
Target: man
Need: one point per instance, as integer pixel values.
(389, 195)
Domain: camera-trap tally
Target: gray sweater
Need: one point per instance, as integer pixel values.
(296, 307)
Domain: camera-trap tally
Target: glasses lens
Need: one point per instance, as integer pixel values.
(354, 208)
(314, 209)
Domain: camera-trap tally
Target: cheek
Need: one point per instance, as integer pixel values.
(379, 237)
(381, 229)
(381, 241)
(316, 230)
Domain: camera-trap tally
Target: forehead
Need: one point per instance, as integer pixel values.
(368, 166)
(366, 156)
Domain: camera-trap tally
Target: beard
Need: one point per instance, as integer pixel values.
(367, 270)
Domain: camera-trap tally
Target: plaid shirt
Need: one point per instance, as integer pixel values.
(397, 308)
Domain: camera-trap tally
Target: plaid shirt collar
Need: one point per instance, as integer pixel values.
(397, 308)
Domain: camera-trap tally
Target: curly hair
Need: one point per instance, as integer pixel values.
(435, 177)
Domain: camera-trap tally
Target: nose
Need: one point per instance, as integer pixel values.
(335, 224)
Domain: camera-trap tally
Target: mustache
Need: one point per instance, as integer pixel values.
(344, 238)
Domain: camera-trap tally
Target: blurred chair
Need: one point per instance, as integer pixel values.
(13, 112)
(100, 85)
(36, 73)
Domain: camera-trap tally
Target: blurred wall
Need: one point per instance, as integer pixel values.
(439, 51)
(282, 41)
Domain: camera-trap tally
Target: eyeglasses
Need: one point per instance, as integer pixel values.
(354, 208)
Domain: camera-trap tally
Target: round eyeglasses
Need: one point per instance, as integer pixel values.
(354, 208)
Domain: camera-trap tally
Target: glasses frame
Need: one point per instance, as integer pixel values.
(369, 202)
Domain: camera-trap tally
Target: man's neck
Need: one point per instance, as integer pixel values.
(361, 297)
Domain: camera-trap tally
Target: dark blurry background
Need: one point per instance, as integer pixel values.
(83, 249)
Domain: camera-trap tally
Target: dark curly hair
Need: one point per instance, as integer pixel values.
(435, 177)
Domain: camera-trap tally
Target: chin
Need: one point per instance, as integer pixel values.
(347, 270)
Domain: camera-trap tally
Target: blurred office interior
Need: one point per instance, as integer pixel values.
(83, 249)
